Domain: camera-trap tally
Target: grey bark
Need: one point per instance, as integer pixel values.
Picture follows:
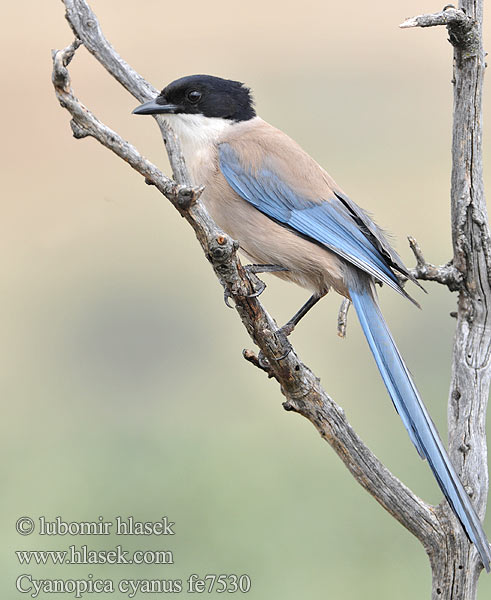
(469, 271)
(456, 566)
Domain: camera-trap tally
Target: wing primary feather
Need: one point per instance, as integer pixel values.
(329, 223)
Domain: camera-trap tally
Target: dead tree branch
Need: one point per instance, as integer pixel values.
(454, 19)
(456, 566)
(298, 384)
(469, 273)
(343, 317)
(446, 274)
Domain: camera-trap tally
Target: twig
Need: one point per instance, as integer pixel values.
(343, 317)
(461, 27)
(84, 124)
(254, 359)
(85, 26)
(446, 274)
(299, 385)
(449, 16)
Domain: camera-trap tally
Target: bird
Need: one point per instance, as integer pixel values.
(290, 218)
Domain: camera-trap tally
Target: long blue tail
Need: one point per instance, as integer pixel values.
(415, 417)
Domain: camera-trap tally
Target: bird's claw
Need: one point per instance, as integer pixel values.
(283, 333)
(283, 356)
(226, 297)
(253, 270)
(286, 330)
(261, 287)
(258, 284)
(262, 360)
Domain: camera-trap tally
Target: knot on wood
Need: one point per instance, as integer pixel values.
(464, 38)
(221, 249)
(61, 59)
(186, 198)
(78, 131)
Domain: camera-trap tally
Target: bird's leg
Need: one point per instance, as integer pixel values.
(261, 286)
(264, 269)
(290, 325)
(255, 269)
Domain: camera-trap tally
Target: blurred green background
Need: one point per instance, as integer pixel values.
(124, 390)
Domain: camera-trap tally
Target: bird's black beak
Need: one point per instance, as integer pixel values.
(153, 108)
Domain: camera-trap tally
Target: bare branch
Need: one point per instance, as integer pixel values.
(449, 16)
(343, 317)
(85, 26)
(461, 27)
(255, 360)
(299, 385)
(84, 124)
(446, 274)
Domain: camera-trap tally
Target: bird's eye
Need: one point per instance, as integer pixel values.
(193, 96)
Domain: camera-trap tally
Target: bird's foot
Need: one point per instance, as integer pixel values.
(259, 361)
(226, 297)
(283, 333)
(259, 285)
(263, 362)
(287, 329)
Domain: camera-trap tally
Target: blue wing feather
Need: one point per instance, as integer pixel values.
(327, 222)
(336, 223)
(415, 417)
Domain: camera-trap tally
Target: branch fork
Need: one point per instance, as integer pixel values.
(298, 384)
(446, 274)
(434, 527)
(462, 28)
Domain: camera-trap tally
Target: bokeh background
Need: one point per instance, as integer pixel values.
(124, 390)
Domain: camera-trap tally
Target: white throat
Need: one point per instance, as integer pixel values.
(198, 136)
(197, 132)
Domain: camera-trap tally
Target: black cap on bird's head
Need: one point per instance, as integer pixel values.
(202, 95)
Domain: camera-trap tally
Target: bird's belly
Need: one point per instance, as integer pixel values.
(263, 241)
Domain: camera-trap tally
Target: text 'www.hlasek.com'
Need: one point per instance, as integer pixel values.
(34, 586)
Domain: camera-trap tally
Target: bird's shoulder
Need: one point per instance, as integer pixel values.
(259, 145)
(272, 158)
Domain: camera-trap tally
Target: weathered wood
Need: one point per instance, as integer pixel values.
(471, 373)
(456, 566)
(458, 22)
(299, 385)
(454, 562)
